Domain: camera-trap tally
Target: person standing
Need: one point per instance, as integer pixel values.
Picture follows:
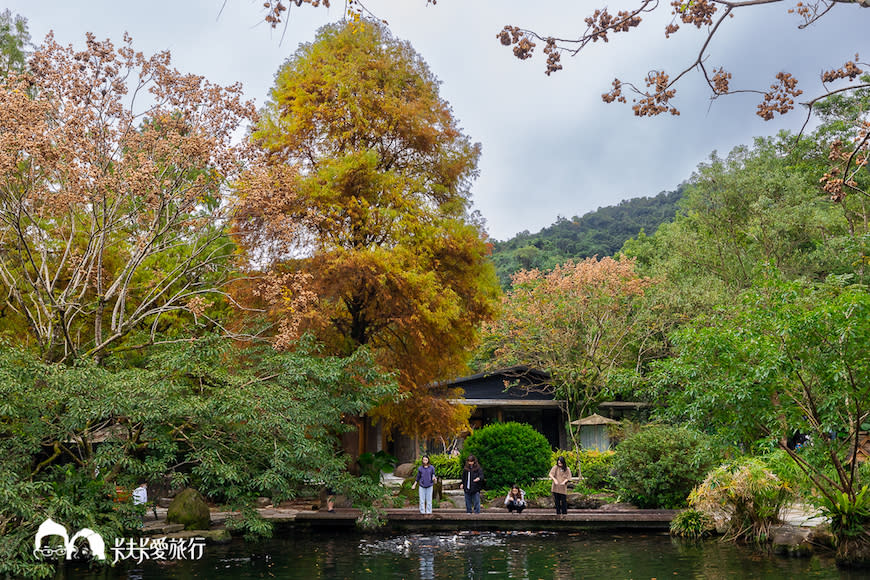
(426, 480)
(472, 483)
(560, 475)
(515, 499)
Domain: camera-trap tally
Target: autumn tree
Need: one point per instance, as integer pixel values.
(367, 198)
(579, 322)
(113, 176)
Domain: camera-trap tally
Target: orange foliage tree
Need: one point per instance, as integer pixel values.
(112, 215)
(578, 321)
(366, 199)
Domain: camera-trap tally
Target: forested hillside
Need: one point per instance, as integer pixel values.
(601, 232)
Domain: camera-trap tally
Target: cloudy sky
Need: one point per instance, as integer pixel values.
(550, 146)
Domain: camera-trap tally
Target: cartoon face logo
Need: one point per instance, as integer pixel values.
(96, 547)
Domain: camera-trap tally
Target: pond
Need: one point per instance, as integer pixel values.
(475, 555)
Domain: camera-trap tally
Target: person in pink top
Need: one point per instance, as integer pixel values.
(560, 475)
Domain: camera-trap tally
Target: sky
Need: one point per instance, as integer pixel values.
(551, 147)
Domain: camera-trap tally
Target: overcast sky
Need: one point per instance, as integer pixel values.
(550, 145)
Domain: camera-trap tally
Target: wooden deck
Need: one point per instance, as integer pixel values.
(530, 519)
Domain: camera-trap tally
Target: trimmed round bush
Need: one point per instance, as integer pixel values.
(509, 453)
(658, 466)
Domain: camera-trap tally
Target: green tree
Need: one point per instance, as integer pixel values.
(14, 43)
(599, 233)
(372, 174)
(233, 423)
(758, 206)
(789, 357)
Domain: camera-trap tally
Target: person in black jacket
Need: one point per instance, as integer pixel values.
(472, 483)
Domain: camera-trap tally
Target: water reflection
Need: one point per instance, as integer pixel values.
(472, 555)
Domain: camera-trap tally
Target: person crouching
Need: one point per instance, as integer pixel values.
(515, 500)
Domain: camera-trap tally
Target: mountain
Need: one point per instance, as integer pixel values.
(601, 232)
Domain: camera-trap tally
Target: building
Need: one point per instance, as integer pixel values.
(518, 393)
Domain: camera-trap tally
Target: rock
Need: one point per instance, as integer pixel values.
(822, 536)
(404, 470)
(543, 502)
(791, 540)
(263, 502)
(164, 501)
(580, 501)
(617, 507)
(189, 508)
(449, 483)
(161, 528)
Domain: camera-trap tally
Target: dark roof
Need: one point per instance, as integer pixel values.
(517, 383)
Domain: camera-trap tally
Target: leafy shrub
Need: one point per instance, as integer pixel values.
(849, 518)
(372, 465)
(692, 523)
(747, 494)
(658, 466)
(789, 471)
(540, 488)
(446, 466)
(509, 453)
(595, 466)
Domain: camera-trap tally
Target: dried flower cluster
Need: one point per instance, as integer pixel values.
(850, 71)
(275, 8)
(780, 99)
(652, 102)
(721, 81)
(697, 12)
(513, 35)
(846, 163)
(602, 23)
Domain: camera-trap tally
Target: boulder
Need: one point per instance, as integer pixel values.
(617, 507)
(545, 501)
(791, 540)
(189, 508)
(580, 501)
(404, 470)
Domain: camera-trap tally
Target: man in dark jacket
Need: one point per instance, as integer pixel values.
(472, 483)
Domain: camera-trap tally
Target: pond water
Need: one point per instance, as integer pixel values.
(522, 555)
